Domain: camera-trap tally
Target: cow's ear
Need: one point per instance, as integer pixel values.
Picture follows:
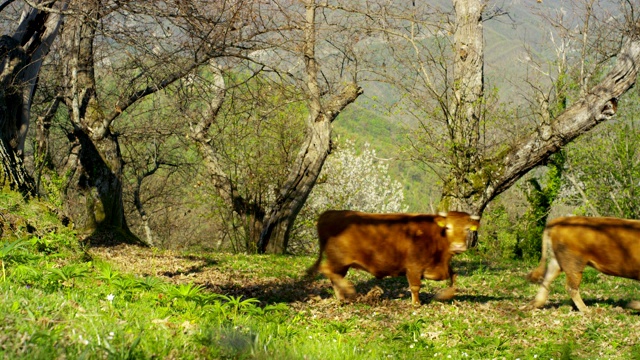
(441, 221)
(473, 227)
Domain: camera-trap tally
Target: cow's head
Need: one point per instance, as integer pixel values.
(459, 226)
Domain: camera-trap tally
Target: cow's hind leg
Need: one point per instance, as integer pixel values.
(553, 270)
(342, 287)
(574, 277)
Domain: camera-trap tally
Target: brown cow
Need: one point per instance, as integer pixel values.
(610, 245)
(415, 245)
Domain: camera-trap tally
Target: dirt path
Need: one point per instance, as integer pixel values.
(301, 294)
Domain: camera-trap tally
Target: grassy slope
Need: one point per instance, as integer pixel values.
(388, 136)
(62, 301)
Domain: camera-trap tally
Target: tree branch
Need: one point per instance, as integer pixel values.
(134, 97)
(596, 106)
(5, 4)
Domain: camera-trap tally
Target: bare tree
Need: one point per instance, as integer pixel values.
(316, 146)
(113, 56)
(289, 51)
(22, 55)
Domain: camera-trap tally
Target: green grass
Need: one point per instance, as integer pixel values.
(64, 301)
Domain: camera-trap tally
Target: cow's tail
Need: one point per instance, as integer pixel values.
(313, 269)
(537, 274)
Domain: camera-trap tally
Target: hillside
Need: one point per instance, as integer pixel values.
(388, 135)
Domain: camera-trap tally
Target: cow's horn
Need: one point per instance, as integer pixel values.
(442, 213)
(475, 217)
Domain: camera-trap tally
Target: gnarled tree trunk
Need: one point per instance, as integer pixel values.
(94, 198)
(314, 151)
(476, 178)
(492, 175)
(21, 57)
(596, 106)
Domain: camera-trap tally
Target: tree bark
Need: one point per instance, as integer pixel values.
(94, 198)
(465, 111)
(313, 153)
(13, 172)
(21, 57)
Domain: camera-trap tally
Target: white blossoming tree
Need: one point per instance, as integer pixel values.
(351, 179)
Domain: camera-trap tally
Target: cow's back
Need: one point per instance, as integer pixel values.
(382, 244)
(610, 245)
(332, 223)
(355, 227)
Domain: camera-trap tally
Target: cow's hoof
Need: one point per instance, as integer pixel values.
(446, 294)
(535, 304)
(375, 292)
(634, 305)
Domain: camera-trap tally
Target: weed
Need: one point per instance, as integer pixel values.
(340, 327)
(26, 275)
(51, 242)
(188, 292)
(125, 284)
(149, 283)
(125, 352)
(107, 274)
(238, 305)
(7, 251)
(67, 275)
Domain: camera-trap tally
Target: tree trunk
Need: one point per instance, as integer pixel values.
(13, 171)
(94, 198)
(313, 153)
(275, 234)
(465, 111)
(21, 57)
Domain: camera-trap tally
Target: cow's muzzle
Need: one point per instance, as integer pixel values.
(458, 248)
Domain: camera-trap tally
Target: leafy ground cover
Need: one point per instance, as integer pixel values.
(61, 300)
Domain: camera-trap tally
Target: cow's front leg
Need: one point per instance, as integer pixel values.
(450, 292)
(414, 278)
(634, 305)
(443, 273)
